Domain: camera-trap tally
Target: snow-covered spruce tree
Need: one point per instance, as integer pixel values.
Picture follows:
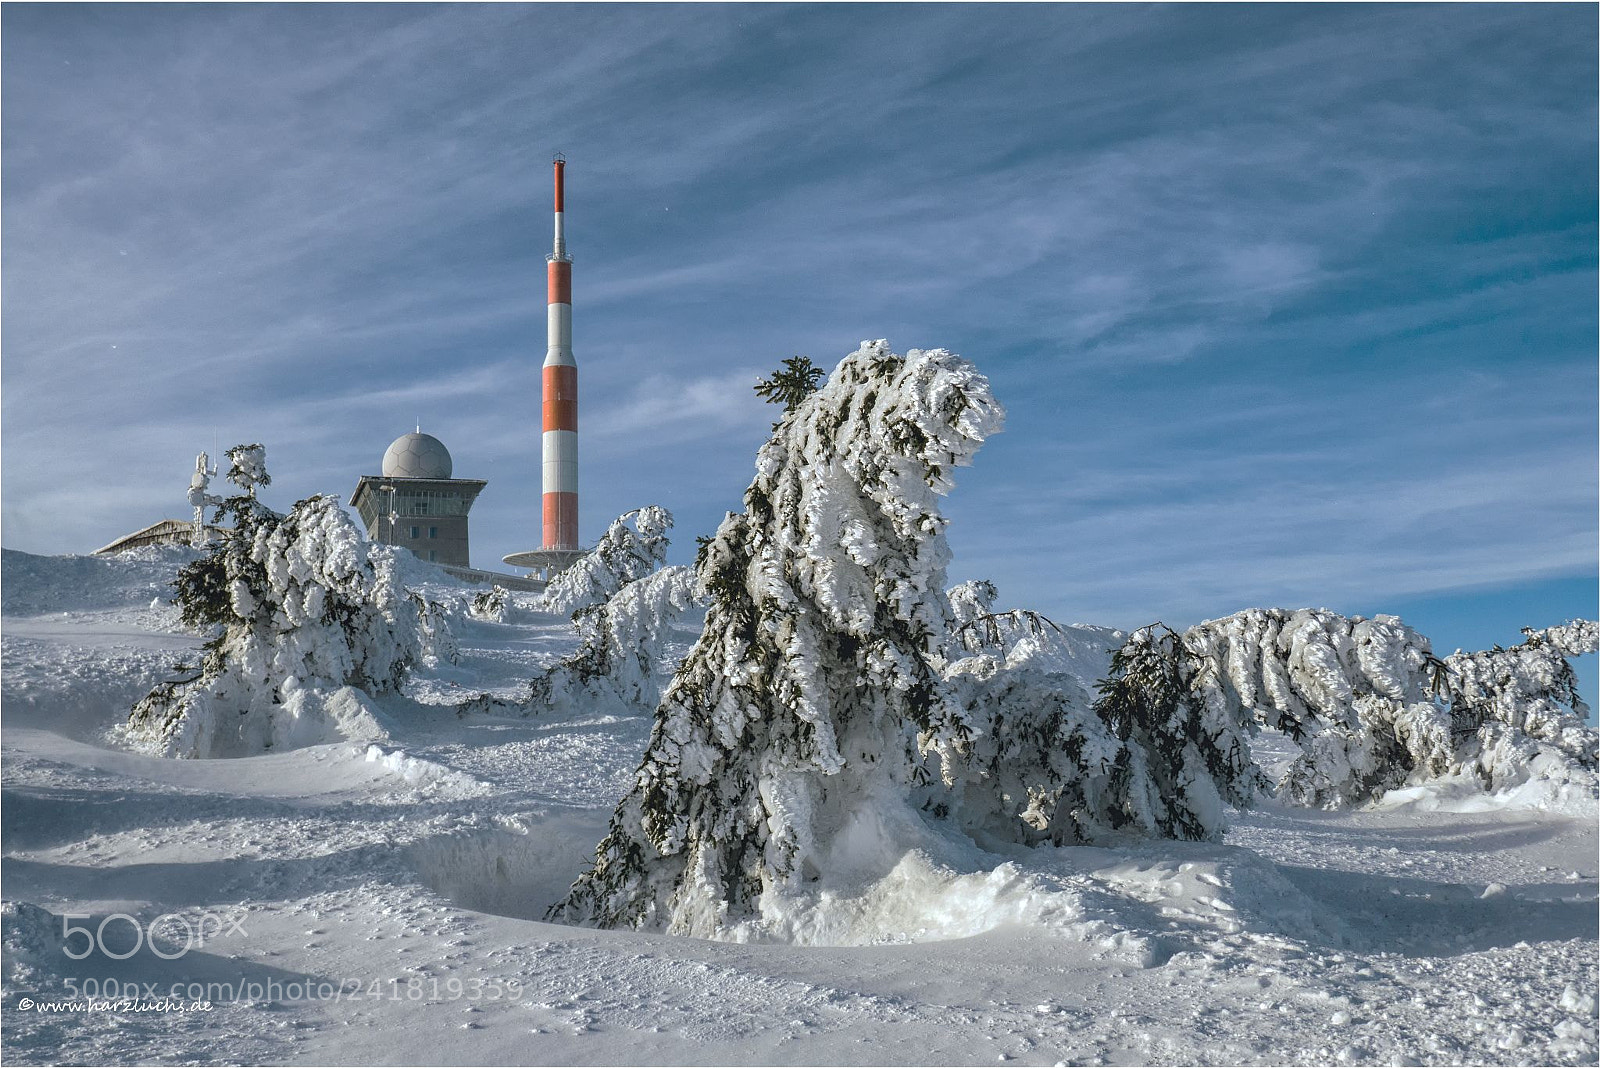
(633, 546)
(1042, 766)
(1039, 767)
(971, 599)
(492, 604)
(1516, 712)
(1376, 709)
(247, 468)
(500, 605)
(1356, 694)
(304, 607)
(436, 637)
(1368, 703)
(627, 650)
(812, 687)
(1185, 756)
(626, 645)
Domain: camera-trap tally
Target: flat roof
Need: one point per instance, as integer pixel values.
(377, 482)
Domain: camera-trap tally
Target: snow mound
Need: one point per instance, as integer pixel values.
(923, 900)
(1078, 649)
(306, 716)
(317, 717)
(427, 777)
(429, 579)
(1139, 902)
(74, 690)
(1553, 786)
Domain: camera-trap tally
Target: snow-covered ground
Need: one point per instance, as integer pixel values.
(382, 901)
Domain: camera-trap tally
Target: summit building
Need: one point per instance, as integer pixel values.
(416, 504)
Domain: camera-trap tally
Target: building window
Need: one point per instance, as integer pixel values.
(416, 532)
(433, 532)
(433, 557)
(429, 502)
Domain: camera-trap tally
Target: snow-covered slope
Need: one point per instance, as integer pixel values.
(383, 902)
(86, 636)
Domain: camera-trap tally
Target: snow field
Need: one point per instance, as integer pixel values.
(1372, 936)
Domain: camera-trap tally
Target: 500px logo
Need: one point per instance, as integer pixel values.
(168, 925)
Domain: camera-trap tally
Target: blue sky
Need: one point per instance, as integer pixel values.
(1289, 305)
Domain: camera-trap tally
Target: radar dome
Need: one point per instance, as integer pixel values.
(417, 456)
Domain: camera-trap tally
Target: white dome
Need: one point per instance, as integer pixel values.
(417, 456)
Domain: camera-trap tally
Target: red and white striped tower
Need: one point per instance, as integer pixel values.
(560, 396)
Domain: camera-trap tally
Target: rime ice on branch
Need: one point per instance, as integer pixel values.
(811, 692)
(970, 600)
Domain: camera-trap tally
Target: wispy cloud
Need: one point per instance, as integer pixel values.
(1301, 501)
(1243, 273)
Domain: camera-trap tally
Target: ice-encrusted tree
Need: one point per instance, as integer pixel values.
(812, 690)
(1516, 712)
(626, 642)
(436, 636)
(1356, 694)
(627, 648)
(492, 604)
(633, 546)
(247, 467)
(303, 607)
(1185, 756)
(1368, 703)
(1039, 767)
(1042, 766)
(971, 599)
